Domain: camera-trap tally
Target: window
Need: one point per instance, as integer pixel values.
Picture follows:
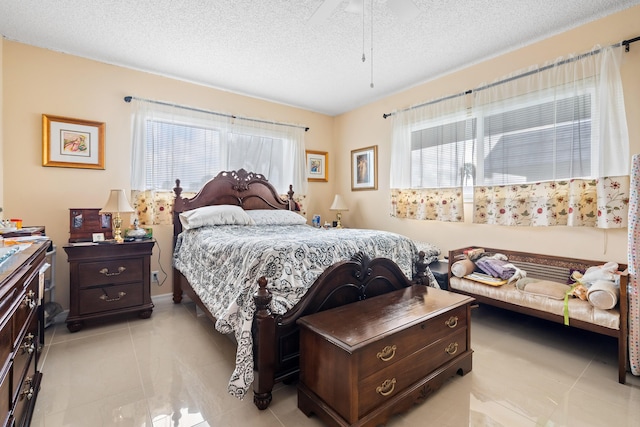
(188, 152)
(543, 141)
(526, 142)
(172, 142)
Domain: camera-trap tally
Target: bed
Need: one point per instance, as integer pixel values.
(253, 265)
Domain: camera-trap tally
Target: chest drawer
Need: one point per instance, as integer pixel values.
(105, 298)
(110, 272)
(384, 385)
(389, 350)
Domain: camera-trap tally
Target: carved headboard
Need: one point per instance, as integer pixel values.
(245, 189)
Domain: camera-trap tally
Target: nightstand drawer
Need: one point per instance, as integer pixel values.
(109, 272)
(105, 298)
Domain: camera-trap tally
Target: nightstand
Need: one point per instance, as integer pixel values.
(440, 270)
(108, 279)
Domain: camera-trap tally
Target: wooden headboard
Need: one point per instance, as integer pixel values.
(245, 189)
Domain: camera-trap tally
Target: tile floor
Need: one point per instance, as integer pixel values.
(172, 370)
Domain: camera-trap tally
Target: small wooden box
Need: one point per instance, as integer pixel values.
(84, 222)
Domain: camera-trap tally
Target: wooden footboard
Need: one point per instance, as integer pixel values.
(276, 343)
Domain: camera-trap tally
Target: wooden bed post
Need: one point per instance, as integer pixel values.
(265, 347)
(420, 277)
(178, 206)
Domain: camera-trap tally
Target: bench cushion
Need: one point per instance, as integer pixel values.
(578, 309)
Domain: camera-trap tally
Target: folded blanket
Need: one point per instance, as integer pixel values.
(603, 294)
(496, 267)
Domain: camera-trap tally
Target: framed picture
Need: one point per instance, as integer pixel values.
(72, 143)
(317, 166)
(364, 169)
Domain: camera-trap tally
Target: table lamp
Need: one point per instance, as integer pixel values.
(338, 205)
(116, 204)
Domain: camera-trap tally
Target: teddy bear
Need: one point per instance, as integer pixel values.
(584, 280)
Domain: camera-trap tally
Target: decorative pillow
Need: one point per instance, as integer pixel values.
(215, 215)
(275, 217)
(544, 288)
(462, 268)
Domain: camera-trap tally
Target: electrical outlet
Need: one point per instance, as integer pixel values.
(154, 277)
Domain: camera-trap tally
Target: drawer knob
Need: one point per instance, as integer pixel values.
(452, 348)
(29, 299)
(452, 322)
(106, 272)
(387, 353)
(28, 393)
(105, 296)
(387, 387)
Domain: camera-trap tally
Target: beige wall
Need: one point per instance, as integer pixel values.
(37, 81)
(365, 126)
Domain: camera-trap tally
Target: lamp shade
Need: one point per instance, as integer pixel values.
(339, 204)
(117, 202)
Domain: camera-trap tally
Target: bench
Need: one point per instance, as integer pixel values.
(581, 314)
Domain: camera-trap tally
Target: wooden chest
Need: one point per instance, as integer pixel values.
(362, 362)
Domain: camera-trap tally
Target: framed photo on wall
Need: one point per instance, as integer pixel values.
(364, 169)
(72, 143)
(317, 166)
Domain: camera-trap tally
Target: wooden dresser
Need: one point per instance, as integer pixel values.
(108, 279)
(362, 362)
(20, 333)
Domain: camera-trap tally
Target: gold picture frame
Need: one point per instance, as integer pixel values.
(317, 166)
(364, 168)
(72, 143)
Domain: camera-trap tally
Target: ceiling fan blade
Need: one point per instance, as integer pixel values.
(323, 11)
(405, 10)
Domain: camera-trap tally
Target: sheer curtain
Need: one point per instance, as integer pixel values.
(555, 146)
(428, 152)
(170, 142)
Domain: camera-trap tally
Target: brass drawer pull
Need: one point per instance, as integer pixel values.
(452, 348)
(452, 322)
(105, 271)
(28, 393)
(387, 387)
(105, 296)
(387, 353)
(29, 300)
(28, 346)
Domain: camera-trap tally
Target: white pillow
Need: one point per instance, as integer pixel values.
(276, 217)
(215, 215)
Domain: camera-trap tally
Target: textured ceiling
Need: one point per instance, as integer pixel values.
(284, 51)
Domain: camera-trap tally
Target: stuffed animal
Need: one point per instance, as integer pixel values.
(608, 271)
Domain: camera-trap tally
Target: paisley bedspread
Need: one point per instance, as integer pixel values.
(223, 264)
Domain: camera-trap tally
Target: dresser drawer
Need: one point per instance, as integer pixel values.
(110, 272)
(26, 309)
(27, 392)
(389, 350)
(375, 389)
(24, 353)
(105, 298)
(5, 396)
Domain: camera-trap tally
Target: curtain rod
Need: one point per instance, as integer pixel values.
(624, 43)
(129, 98)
